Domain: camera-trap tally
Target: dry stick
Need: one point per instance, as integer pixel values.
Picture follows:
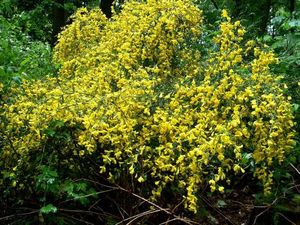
(267, 208)
(282, 196)
(287, 219)
(174, 219)
(79, 220)
(168, 221)
(80, 211)
(295, 168)
(295, 186)
(140, 197)
(218, 211)
(246, 205)
(87, 212)
(92, 206)
(185, 220)
(273, 203)
(137, 216)
(260, 215)
(173, 211)
(16, 222)
(19, 214)
(119, 208)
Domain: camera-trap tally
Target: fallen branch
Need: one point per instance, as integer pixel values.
(184, 220)
(137, 216)
(18, 214)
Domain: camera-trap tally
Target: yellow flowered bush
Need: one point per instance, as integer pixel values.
(137, 89)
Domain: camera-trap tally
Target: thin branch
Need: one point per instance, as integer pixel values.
(76, 219)
(18, 214)
(93, 205)
(137, 216)
(248, 206)
(149, 202)
(217, 210)
(256, 218)
(287, 219)
(185, 220)
(80, 211)
(295, 168)
(168, 221)
(180, 203)
(16, 222)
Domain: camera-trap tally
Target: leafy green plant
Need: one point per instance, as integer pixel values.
(284, 38)
(20, 57)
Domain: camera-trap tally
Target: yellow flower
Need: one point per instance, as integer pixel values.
(138, 97)
(225, 14)
(141, 179)
(221, 189)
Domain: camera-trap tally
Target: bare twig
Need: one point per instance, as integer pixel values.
(19, 214)
(81, 211)
(16, 222)
(120, 209)
(295, 168)
(248, 206)
(173, 210)
(142, 198)
(168, 221)
(184, 220)
(137, 216)
(217, 210)
(287, 219)
(92, 206)
(77, 219)
(256, 218)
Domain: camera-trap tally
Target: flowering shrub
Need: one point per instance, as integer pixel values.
(137, 89)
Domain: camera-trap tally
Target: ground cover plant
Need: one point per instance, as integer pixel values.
(142, 103)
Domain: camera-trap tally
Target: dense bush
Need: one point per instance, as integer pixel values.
(136, 91)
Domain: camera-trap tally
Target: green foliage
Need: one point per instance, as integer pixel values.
(20, 57)
(62, 156)
(48, 209)
(52, 186)
(285, 40)
(37, 18)
(148, 107)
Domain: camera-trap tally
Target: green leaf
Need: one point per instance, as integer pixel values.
(221, 203)
(296, 199)
(48, 209)
(294, 23)
(50, 132)
(295, 107)
(81, 186)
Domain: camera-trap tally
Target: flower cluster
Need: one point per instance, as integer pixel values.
(141, 92)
